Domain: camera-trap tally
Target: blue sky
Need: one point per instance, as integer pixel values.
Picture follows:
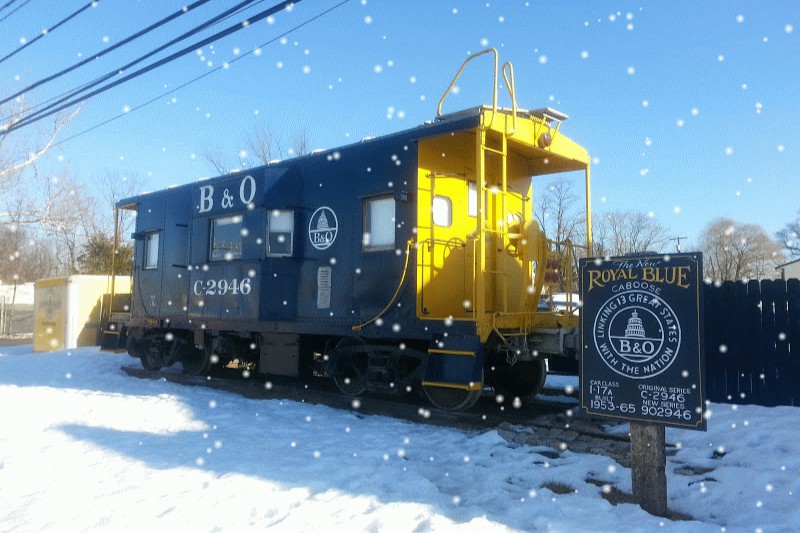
(690, 109)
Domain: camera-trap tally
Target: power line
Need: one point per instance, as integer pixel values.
(100, 54)
(13, 10)
(7, 4)
(198, 78)
(64, 97)
(48, 31)
(224, 33)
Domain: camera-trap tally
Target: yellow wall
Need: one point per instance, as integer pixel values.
(446, 255)
(67, 310)
(469, 272)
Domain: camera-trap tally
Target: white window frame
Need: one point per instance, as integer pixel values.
(233, 219)
(369, 242)
(151, 250)
(272, 218)
(442, 211)
(472, 199)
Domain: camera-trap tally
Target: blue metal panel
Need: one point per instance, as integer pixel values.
(454, 360)
(162, 292)
(225, 291)
(289, 293)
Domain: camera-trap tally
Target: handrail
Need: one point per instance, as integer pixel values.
(454, 241)
(359, 327)
(464, 64)
(511, 91)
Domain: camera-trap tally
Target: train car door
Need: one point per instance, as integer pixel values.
(446, 223)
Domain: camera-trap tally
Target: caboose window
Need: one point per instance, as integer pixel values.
(472, 199)
(379, 224)
(280, 227)
(151, 251)
(226, 238)
(442, 211)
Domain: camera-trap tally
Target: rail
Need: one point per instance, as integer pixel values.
(509, 79)
(409, 247)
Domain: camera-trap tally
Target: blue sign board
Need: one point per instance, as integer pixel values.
(642, 339)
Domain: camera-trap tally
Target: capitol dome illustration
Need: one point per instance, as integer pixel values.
(635, 328)
(322, 223)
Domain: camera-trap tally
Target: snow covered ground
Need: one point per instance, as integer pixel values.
(85, 447)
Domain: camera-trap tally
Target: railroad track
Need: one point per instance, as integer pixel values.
(551, 420)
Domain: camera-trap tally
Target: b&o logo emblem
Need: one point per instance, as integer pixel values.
(637, 334)
(322, 228)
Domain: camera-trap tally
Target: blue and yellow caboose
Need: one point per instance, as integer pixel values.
(404, 261)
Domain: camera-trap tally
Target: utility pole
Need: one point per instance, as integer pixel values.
(678, 240)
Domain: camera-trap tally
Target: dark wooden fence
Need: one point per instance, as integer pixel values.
(752, 334)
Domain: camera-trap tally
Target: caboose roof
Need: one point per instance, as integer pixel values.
(464, 120)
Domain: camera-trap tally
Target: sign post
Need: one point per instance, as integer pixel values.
(643, 355)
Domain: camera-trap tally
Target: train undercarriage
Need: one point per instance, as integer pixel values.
(357, 366)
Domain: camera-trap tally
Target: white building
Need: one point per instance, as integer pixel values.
(789, 270)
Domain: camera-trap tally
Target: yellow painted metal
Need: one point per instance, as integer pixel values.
(114, 261)
(488, 265)
(460, 70)
(451, 352)
(359, 327)
(588, 211)
(471, 387)
(511, 90)
(479, 297)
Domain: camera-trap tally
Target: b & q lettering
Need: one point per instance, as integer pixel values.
(247, 192)
(206, 198)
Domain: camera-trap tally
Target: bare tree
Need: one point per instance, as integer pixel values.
(110, 188)
(22, 257)
(265, 145)
(19, 151)
(733, 251)
(301, 145)
(625, 232)
(50, 203)
(217, 160)
(561, 217)
(559, 212)
(790, 237)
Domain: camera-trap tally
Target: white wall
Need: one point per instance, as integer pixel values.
(792, 270)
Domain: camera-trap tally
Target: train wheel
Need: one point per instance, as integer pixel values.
(451, 399)
(196, 361)
(350, 374)
(148, 349)
(523, 379)
(150, 360)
